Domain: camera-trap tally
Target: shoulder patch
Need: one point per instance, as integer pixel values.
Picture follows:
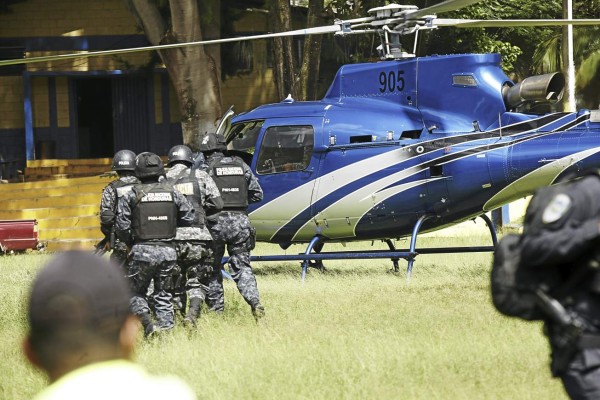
(556, 209)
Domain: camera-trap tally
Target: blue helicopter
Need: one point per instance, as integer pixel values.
(401, 146)
(406, 145)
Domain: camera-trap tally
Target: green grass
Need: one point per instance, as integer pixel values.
(356, 331)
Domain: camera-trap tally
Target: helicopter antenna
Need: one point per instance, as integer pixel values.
(500, 124)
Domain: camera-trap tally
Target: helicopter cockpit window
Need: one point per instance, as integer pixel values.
(242, 137)
(285, 148)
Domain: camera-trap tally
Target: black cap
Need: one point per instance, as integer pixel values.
(148, 165)
(78, 290)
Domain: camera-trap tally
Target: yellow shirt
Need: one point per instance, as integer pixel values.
(116, 380)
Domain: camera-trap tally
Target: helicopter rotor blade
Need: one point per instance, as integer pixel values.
(449, 5)
(481, 23)
(338, 27)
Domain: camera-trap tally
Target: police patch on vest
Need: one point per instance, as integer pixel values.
(230, 190)
(228, 171)
(186, 188)
(556, 209)
(157, 196)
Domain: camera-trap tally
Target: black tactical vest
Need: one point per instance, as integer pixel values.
(155, 213)
(186, 183)
(230, 179)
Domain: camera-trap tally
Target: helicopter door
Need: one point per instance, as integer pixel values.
(286, 165)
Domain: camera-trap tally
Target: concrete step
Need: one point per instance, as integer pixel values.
(52, 201)
(52, 191)
(53, 169)
(69, 222)
(103, 179)
(71, 244)
(65, 162)
(51, 212)
(89, 233)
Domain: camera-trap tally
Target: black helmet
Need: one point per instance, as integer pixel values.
(221, 142)
(148, 165)
(212, 142)
(180, 153)
(124, 160)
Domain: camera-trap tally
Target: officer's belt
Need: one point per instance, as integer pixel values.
(588, 341)
(155, 243)
(234, 209)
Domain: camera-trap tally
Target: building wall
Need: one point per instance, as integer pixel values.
(46, 23)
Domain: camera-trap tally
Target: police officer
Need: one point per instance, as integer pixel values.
(147, 219)
(124, 165)
(194, 243)
(231, 227)
(561, 231)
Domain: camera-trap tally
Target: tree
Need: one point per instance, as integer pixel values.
(193, 72)
(309, 69)
(285, 65)
(550, 57)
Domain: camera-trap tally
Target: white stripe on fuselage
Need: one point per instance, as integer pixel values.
(289, 205)
(543, 176)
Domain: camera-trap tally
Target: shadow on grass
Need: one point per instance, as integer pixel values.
(336, 268)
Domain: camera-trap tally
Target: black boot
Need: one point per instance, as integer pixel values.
(146, 321)
(193, 312)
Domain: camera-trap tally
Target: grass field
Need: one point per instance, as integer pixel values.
(356, 331)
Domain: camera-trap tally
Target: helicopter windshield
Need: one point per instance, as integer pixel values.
(243, 136)
(285, 148)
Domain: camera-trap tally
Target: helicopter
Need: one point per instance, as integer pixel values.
(401, 146)
(390, 152)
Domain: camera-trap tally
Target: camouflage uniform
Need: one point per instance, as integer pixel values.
(108, 211)
(194, 244)
(232, 228)
(152, 259)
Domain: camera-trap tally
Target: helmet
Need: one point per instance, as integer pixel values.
(221, 142)
(148, 165)
(180, 153)
(212, 142)
(124, 160)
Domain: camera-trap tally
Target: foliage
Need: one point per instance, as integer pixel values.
(353, 332)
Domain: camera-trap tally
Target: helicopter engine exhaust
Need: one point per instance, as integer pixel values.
(546, 88)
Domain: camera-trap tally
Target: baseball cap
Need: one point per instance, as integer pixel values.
(78, 290)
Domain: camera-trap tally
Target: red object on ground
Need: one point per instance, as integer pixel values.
(18, 235)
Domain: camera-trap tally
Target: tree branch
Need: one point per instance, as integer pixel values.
(149, 18)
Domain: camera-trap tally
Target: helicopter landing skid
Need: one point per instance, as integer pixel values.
(394, 254)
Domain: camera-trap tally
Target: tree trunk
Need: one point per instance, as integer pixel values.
(284, 65)
(192, 72)
(308, 82)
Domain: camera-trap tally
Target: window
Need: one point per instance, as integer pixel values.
(242, 137)
(285, 148)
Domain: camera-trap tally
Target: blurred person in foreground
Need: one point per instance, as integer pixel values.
(551, 273)
(82, 335)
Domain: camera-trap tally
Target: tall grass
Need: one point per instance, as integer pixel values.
(356, 331)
